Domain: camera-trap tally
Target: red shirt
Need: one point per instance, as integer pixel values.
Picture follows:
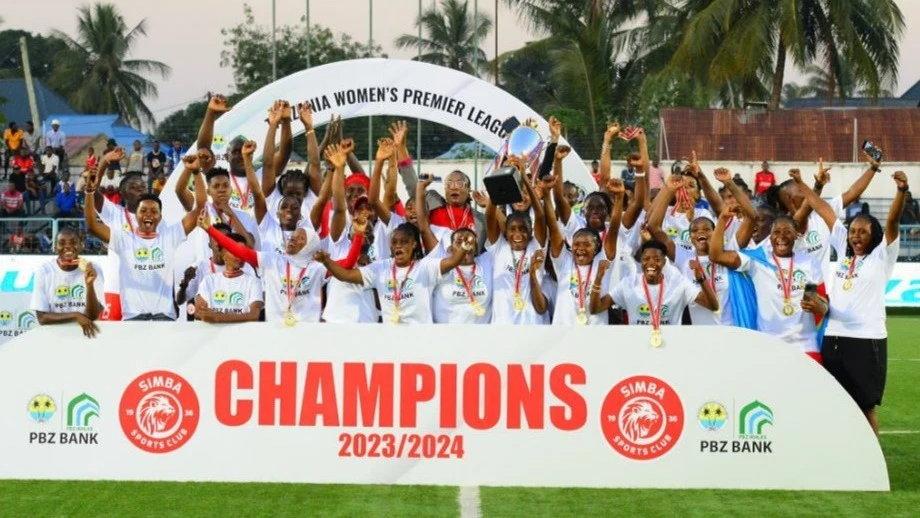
(763, 181)
(92, 162)
(24, 163)
(11, 200)
(452, 217)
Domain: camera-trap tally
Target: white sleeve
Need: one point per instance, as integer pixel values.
(836, 204)
(619, 294)
(688, 290)
(205, 289)
(370, 272)
(747, 264)
(432, 265)
(175, 235)
(116, 238)
(892, 251)
(255, 291)
(107, 214)
(40, 300)
(838, 238)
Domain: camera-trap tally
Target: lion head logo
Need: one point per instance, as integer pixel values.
(638, 418)
(154, 414)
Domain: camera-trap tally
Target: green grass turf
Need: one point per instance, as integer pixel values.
(54, 498)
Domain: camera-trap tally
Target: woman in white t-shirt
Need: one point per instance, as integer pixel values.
(658, 294)
(68, 289)
(855, 347)
(517, 265)
(577, 270)
(232, 295)
(406, 281)
(783, 281)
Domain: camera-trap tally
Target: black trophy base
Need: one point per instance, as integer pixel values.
(504, 186)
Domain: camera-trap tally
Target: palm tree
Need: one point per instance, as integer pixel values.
(751, 39)
(96, 70)
(453, 36)
(600, 54)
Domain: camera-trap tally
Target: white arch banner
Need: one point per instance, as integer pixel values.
(398, 88)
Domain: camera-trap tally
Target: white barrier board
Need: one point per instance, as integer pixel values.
(455, 405)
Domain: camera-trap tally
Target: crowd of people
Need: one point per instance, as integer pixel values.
(321, 245)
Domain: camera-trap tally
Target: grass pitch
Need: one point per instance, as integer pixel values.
(902, 452)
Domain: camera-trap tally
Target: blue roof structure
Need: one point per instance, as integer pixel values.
(92, 125)
(913, 93)
(16, 107)
(856, 102)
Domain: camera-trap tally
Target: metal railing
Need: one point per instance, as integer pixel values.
(37, 235)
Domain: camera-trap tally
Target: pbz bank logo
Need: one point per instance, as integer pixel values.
(76, 424)
(754, 422)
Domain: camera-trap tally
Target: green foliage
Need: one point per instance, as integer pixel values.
(43, 50)
(248, 50)
(96, 72)
(183, 124)
(2, 117)
(452, 36)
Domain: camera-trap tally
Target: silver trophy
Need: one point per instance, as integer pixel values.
(524, 142)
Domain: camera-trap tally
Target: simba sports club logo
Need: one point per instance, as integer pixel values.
(159, 411)
(750, 428)
(642, 418)
(76, 425)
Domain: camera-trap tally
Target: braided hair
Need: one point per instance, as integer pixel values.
(415, 235)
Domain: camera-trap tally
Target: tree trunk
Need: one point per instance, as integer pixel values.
(777, 93)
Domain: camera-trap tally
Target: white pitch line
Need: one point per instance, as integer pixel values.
(468, 498)
(899, 432)
(904, 359)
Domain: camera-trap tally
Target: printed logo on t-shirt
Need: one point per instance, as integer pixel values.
(643, 311)
(235, 200)
(812, 238)
(405, 291)
(477, 286)
(302, 289)
(573, 286)
(62, 291)
(69, 297)
(220, 297)
(126, 227)
(142, 254)
(154, 256)
(673, 232)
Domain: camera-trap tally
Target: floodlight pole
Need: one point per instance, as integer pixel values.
(274, 47)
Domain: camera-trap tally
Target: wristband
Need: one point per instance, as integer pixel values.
(310, 132)
(905, 189)
(405, 163)
(639, 175)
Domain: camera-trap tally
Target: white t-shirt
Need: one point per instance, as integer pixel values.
(416, 285)
(505, 264)
(199, 238)
(678, 293)
(698, 314)
(452, 303)
(274, 238)
(273, 202)
(51, 163)
(107, 182)
(815, 240)
(117, 216)
(860, 311)
(274, 270)
(146, 269)
(628, 241)
(239, 188)
(230, 295)
(347, 302)
(57, 291)
(203, 269)
(799, 328)
(677, 226)
(568, 302)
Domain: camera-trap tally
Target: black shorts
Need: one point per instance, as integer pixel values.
(860, 365)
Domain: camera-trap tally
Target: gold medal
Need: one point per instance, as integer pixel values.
(519, 303)
(847, 285)
(656, 340)
(82, 264)
(788, 309)
(395, 317)
(478, 310)
(289, 319)
(582, 318)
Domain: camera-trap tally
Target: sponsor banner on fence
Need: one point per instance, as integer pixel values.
(453, 405)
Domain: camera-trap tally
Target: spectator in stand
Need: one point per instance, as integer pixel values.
(911, 216)
(596, 171)
(136, 159)
(109, 187)
(176, 152)
(18, 179)
(44, 241)
(764, 179)
(23, 162)
(51, 166)
(65, 196)
(628, 175)
(32, 194)
(12, 137)
(56, 138)
(156, 162)
(110, 146)
(32, 139)
(159, 182)
(655, 177)
(91, 159)
(12, 202)
(19, 242)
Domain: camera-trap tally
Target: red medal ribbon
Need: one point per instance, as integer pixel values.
(289, 288)
(518, 272)
(466, 284)
(581, 286)
(244, 200)
(397, 287)
(463, 223)
(852, 268)
(654, 310)
(786, 282)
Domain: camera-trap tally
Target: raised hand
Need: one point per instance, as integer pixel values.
(386, 148)
(249, 148)
(204, 219)
(823, 176)
(276, 112)
(537, 260)
(616, 187)
(694, 169)
(114, 155)
(469, 242)
(218, 104)
(481, 198)
(723, 175)
(359, 223)
(555, 129)
(872, 163)
(190, 162)
(634, 160)
(424, 180)
(697, 269)
(89, 274)
(286, 112)
(517, 162)
(602, 266)
(900, 179)
(562, 152)
(189, 274)
(613, 129)
(796, 175)
(336, 155)
(398, 132)
(675, 182)
(321, 256)
(305, 113)
(549, 182)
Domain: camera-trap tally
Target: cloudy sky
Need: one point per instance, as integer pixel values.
(186, 34)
